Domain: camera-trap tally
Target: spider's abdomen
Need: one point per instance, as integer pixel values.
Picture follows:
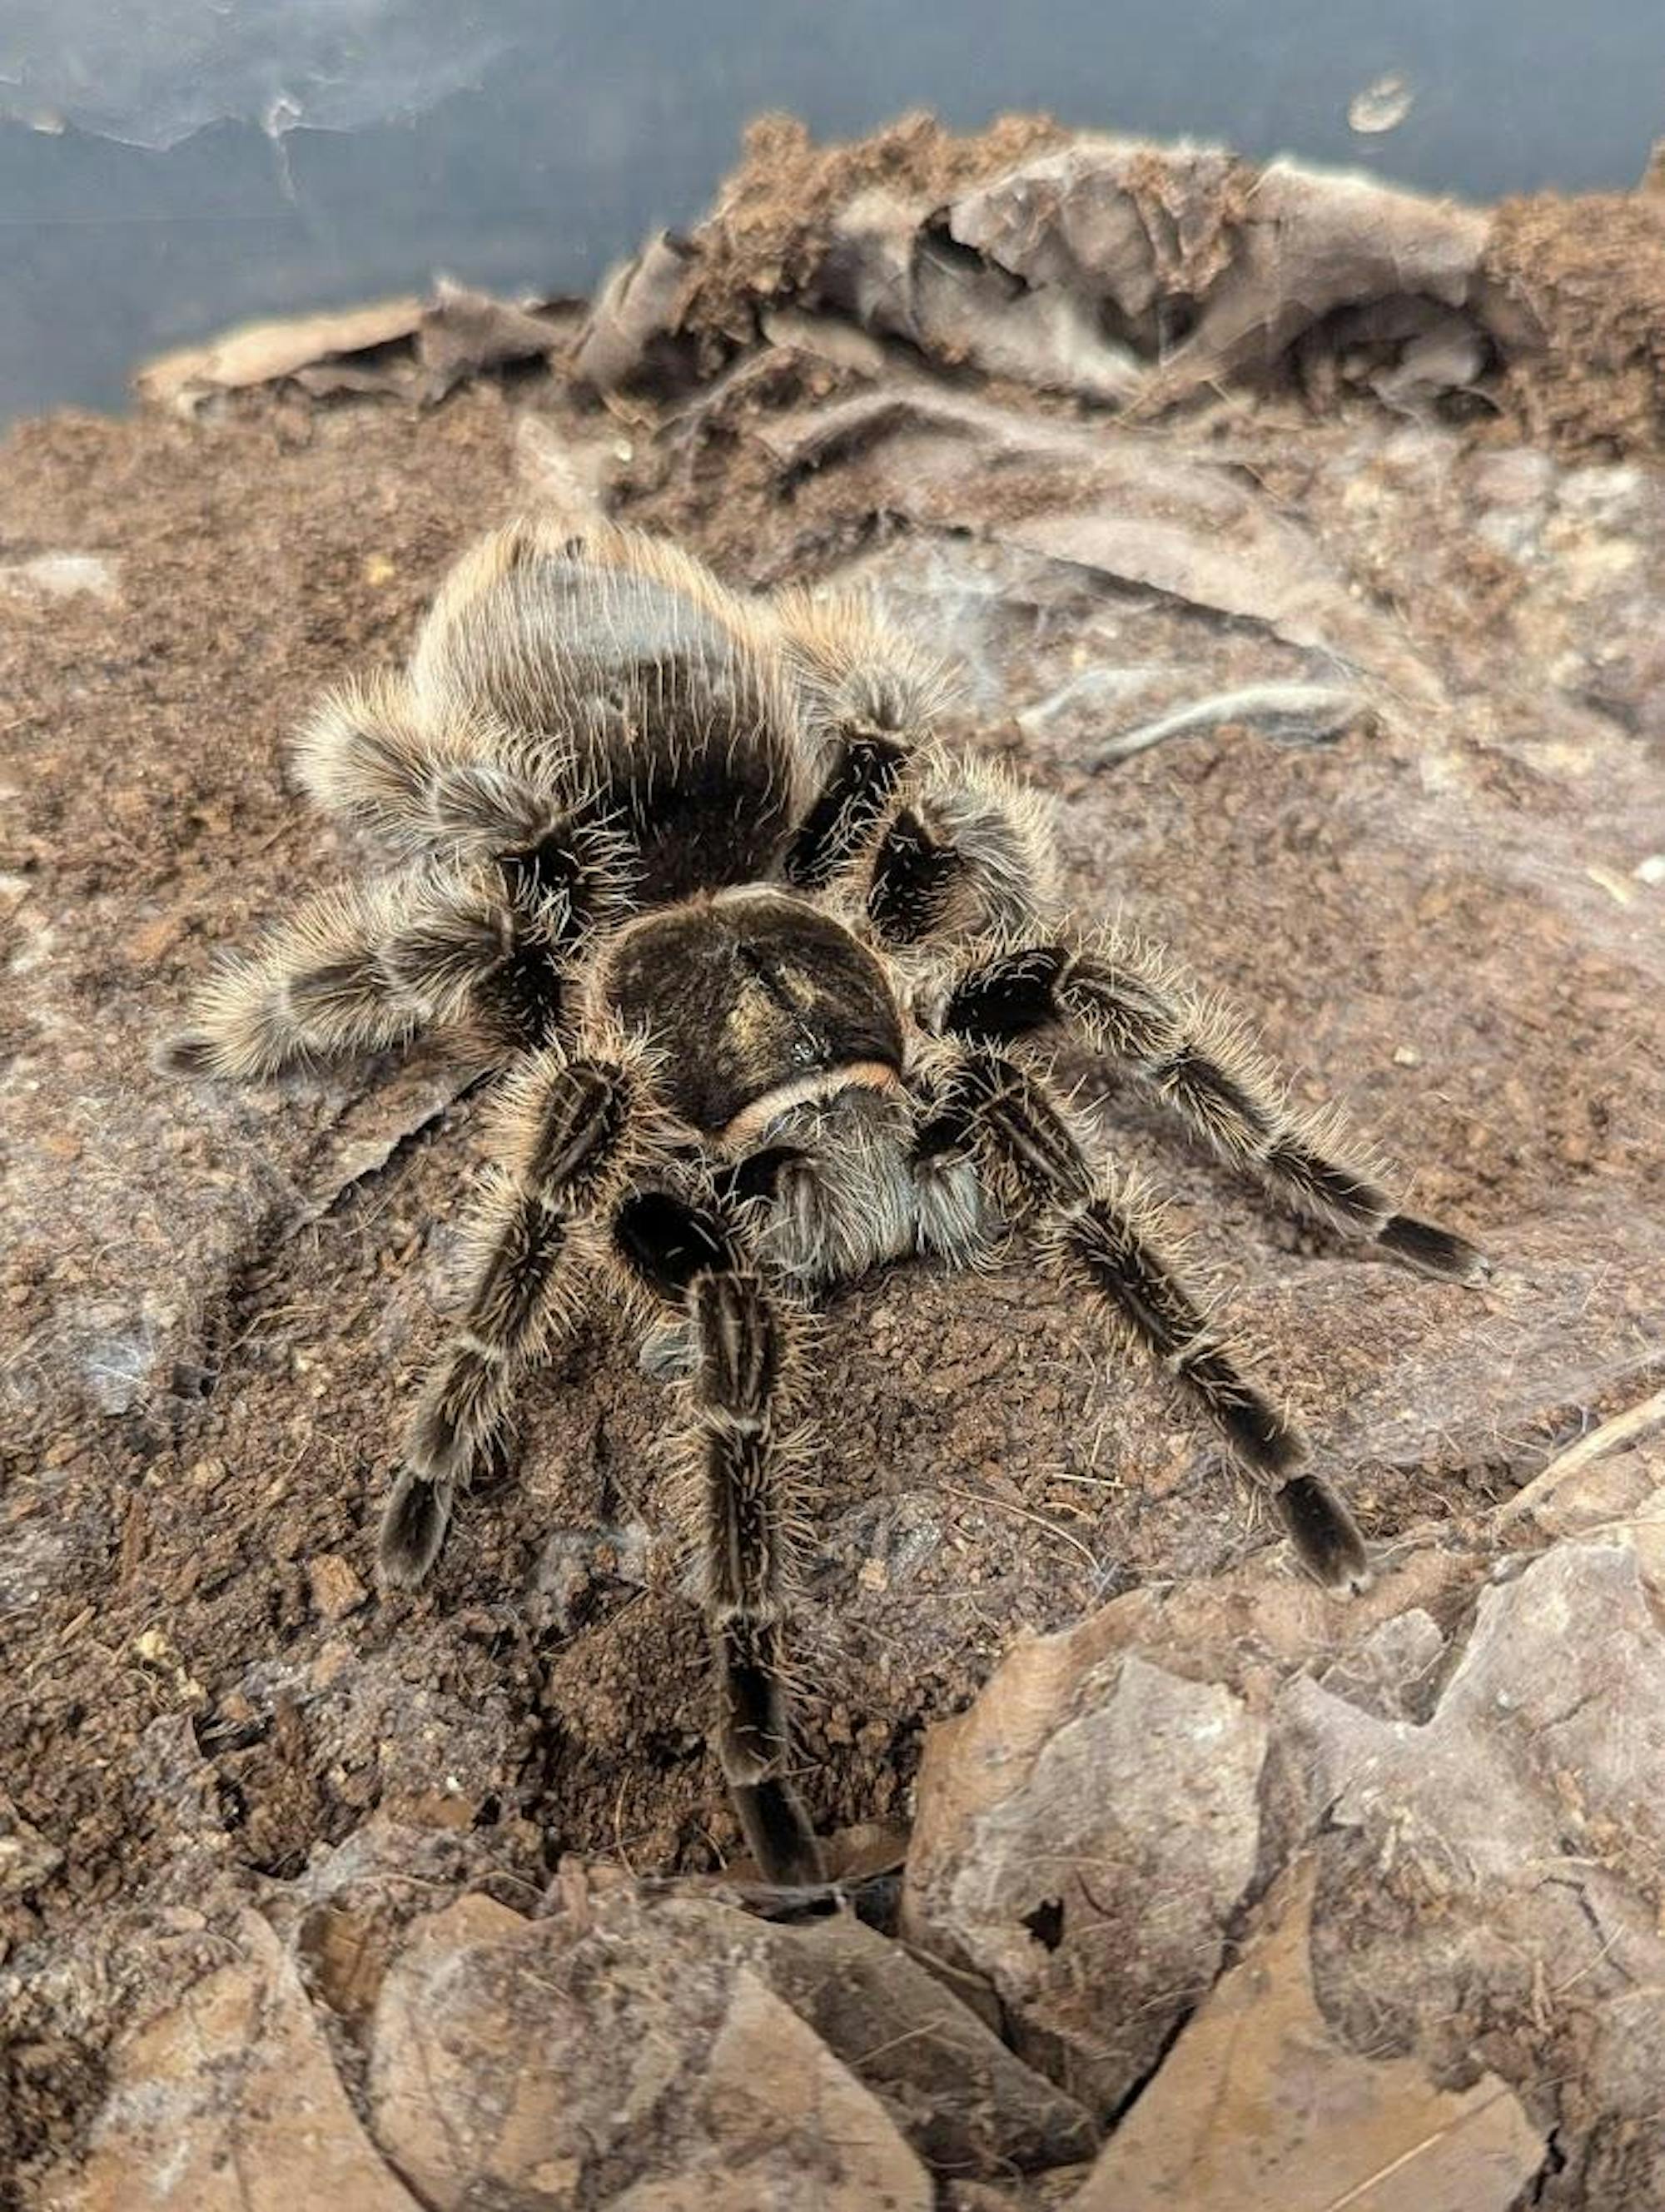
(653, 684)
(748, 996)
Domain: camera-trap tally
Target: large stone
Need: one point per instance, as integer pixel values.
(1083, 1840)
(230, 2102)
(1259, 2108)
(786, 2124)
(567, 2052)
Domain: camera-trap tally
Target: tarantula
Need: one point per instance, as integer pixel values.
(775, 982)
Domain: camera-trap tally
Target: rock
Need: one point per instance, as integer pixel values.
(961, 2097)
(230, 2102)
(786, 2124)
(1559, 1677)
(335, 1587)
(560, 2035)
(1082, 1841)
(1391, 1671)
(542, 2062)
(26, 1856)
(1603, 1481)
(1259, 2108)
(57, 575)
(1505, 1860)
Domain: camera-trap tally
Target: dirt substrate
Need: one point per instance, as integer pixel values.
(311, 1894)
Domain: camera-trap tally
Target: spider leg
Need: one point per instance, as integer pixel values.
(692, 1254)
(966, 848)
(363, 968)
(1120, 1000)
(870, 696)
(1034, 1164)
(568, 1137)
(327, 982)
(864, 769)
(368, 755)
(454, 786)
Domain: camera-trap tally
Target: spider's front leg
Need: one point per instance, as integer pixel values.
(690, 1254)
(569, 1138)
(1035, 1165)
(367, 967)
(1120, 1000)
(326, 983)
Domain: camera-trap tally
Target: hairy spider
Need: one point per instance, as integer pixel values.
(777, 983)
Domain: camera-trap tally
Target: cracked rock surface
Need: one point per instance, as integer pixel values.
(1334, 638)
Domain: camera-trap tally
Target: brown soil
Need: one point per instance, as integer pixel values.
(1591, 273)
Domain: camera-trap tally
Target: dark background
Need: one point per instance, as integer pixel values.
(168, 167)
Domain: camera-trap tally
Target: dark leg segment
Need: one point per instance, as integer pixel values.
(913, 878)
(1036, 1163)
(1122, 1004)
(848, 808)
(739, 1356)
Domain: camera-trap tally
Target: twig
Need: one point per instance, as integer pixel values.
(986, 1498)
(1287, 713)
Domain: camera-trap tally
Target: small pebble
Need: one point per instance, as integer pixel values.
(335, 1589)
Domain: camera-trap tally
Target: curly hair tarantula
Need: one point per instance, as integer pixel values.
(777, 982)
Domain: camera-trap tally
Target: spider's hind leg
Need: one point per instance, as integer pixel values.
(870, 696)
(365, 968)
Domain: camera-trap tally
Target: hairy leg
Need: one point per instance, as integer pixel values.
(966, 848)
(356, 970)
(744, 1503)
(568, 1139)
(1103, 1230)
(483, 948)
(463, 792)
(1119, 999)
(870, 697)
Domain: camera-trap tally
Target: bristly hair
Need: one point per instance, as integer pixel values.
(857, 674)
